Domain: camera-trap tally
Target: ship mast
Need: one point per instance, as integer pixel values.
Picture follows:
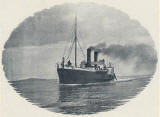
(74, 44)
(75, 39)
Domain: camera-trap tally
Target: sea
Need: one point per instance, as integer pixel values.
(79, 99)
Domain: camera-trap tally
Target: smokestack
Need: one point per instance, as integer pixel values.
(95, 56)
(89, 57)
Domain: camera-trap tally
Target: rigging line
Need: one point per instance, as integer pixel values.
(70, 41)
(70, 50)
(80, 45)
(72, 36)
(81, 38)
(81, 49)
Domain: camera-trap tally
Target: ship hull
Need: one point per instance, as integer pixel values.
(72, 76)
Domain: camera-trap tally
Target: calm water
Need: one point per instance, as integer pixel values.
(80, 99)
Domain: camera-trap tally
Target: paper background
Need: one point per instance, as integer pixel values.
(12, 12)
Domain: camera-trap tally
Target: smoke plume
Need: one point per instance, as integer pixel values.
(142, 57)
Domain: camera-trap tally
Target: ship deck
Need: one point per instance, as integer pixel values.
(83, 69)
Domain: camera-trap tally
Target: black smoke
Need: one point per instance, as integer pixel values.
(142, 56)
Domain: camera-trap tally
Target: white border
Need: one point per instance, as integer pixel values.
(12, 12)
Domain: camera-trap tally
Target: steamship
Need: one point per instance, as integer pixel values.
(88, 71)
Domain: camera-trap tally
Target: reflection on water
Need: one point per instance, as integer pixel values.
(80, 99)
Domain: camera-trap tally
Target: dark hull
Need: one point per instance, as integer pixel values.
(72, 76)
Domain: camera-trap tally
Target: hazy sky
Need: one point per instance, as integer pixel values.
(38, 42)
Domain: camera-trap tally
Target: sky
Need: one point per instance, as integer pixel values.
(38, 42)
